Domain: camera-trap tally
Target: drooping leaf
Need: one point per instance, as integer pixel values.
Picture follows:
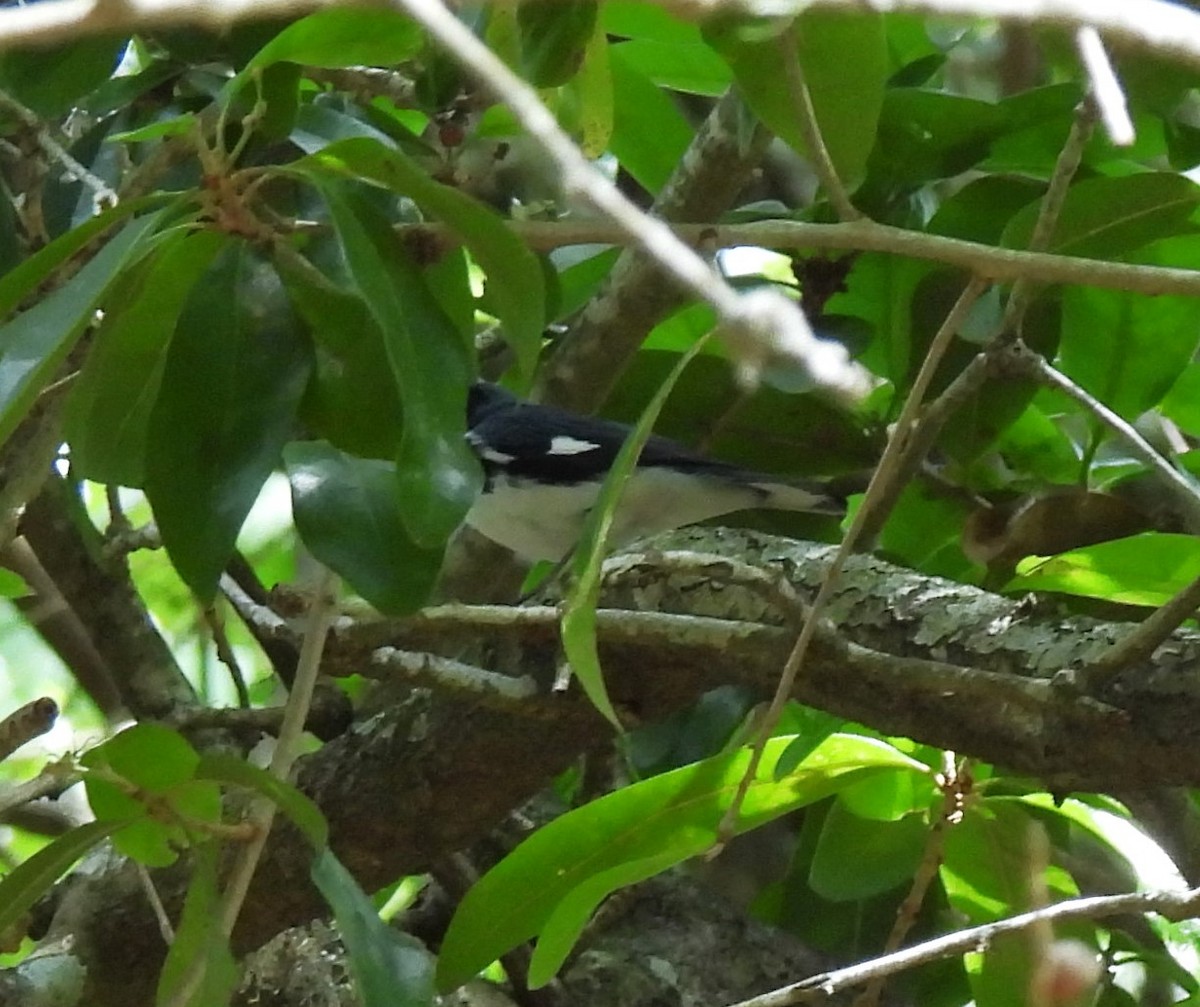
(234, 375)
(436, 473)
(348, 514)
(579, 611)
(231, 770)
(108, 413)
(648, 825)
(650, 134)
(33, 344)
(885, 854)
(199, 941)
(50, 81)
(390, 968)
(514, 275)
(844, 59)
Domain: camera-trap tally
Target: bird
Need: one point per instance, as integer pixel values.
(544, 467)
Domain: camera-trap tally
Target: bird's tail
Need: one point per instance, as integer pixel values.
(803, 495)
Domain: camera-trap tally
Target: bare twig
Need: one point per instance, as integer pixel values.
(1000, 265)
(1106, 88)
(1173, 905)
(26, 723)
(810, 129)
(1142, 641)
(757, 326)
(879, 490)
(1181, 486)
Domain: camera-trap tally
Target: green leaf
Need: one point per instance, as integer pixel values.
(655, 822)
(337, 37)
(437, 474)
(108, 414)
(13, 585)
(199, 941)
(231, 770)
(694, 68)
(348, 514)
(1141, 570)
(1127, 349)
(593, 87)
(35, 343)
(150, 756)
(516, 286)
(885, 854)
(1109, 217)
(233, 379)
(352, 400)
(30, 880)
(650, 134)
(554, 35)
(50, 80)
(579, 609)
(844, 59)
(390, 968)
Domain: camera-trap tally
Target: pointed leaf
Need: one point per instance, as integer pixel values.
(390, 968)
(655, 822)
(234, 375)
(348, 514)
(34, 343)
(579, 610)
(515, 283)
(437, 474)
(108, 414)
(21, 887)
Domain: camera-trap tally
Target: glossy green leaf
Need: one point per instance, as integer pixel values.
(21, 887)
(150, 756)
(593, 88)
(889, 797)
(437, 475)
(199, 941)
(664, 819)
(579, 609)
(516, 287)
(844, 59)
(13, 585)
(554, 35)
(232, 382)
(232, 770)
(694, 69)
(108, 413)
(1141, 570)
(20, 281)
(885, 854)
(34, 344)
(1109, 217)
(352, 401)
(348, 514)
(650, 134)
(151, 841)
(390, 968)
(1127, 349)
(337, 37)
(51, 80)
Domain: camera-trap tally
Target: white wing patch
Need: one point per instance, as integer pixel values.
(564, 445)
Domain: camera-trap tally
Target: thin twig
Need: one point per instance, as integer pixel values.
(454, 675)
(1065, 167)
(1181, 486)
(1001, 265)
(1144, 639)
(877, 495)
(226, 654)
(757, 326)
(156, 904)
(810, 129)
(1106, 88)
(321, 614)
(1173, 905)
(954, 783)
